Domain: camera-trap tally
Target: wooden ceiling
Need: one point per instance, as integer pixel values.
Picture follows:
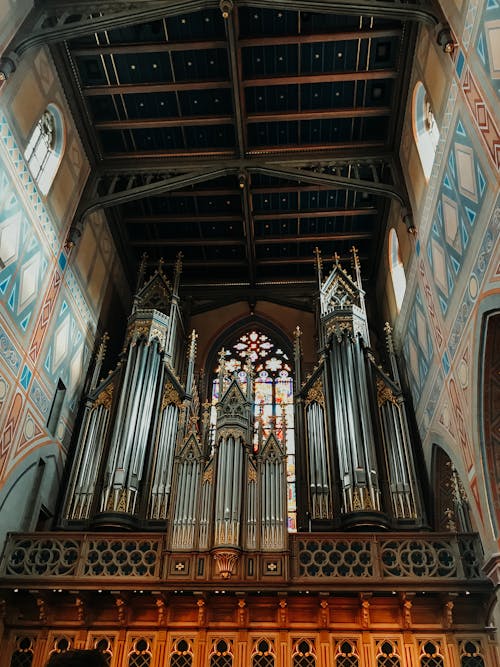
(243, 134)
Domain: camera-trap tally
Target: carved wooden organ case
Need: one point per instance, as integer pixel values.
(149, 457)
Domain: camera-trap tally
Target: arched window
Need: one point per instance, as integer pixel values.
(182, 655)
(105, 646)
(387, 655)
(346, 654)
(470, 654)
(303, 654)
(452, 508)
(263, 654)
(221, 655)
(273, 406)
(425, 129)
(45, 147)
(140, 655)
(430, 655)
(23, 655)
(397, 269)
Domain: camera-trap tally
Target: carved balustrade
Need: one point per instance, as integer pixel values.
(420, 559)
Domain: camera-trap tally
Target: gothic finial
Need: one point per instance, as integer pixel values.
(355, 257)
(388, 338)
(297, 333)
(192, 344)
(178, 262)
(177, 273)
(284, 423)
(336, 259)
(142, 270)
(319, 264)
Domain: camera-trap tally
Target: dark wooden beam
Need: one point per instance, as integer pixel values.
(186, 243)
(236, 73)
(274, 117)
(325, 37)
(151, 47)
(224, 241)
(248, 223)
(320, 213)
(247, 42)
(312, 238)
(305, 152)
(152, 123)
(179, 219)
(322, 114)
(166, 87)
(332, 77)
(365, 154)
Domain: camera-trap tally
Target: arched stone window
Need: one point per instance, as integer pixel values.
(45, 148)
(425, 129)
(397, 269)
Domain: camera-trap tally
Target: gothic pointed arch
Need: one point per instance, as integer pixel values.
(270, 355)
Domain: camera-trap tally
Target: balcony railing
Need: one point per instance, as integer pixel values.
(419, 559)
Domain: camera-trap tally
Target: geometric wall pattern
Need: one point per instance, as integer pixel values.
(24, 259)
(458, 205)
(45, 318)
(488, 43)
(418, 348)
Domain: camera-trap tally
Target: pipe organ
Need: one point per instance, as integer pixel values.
(149, 454)
(252, 503)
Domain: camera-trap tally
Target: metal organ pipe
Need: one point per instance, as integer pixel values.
(133, 422)
(90, 446)
(318, 460)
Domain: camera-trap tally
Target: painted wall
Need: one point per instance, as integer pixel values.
(453, 264)
(51, 298)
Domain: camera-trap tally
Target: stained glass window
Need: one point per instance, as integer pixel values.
(273, 397)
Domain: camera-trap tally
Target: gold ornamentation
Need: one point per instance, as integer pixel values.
(316, 394)
(230, 431)
(208, 476)
(170, 395)
(356, 501)
(384, 394)
(252, 475)
(105, 398)
(226, 560)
